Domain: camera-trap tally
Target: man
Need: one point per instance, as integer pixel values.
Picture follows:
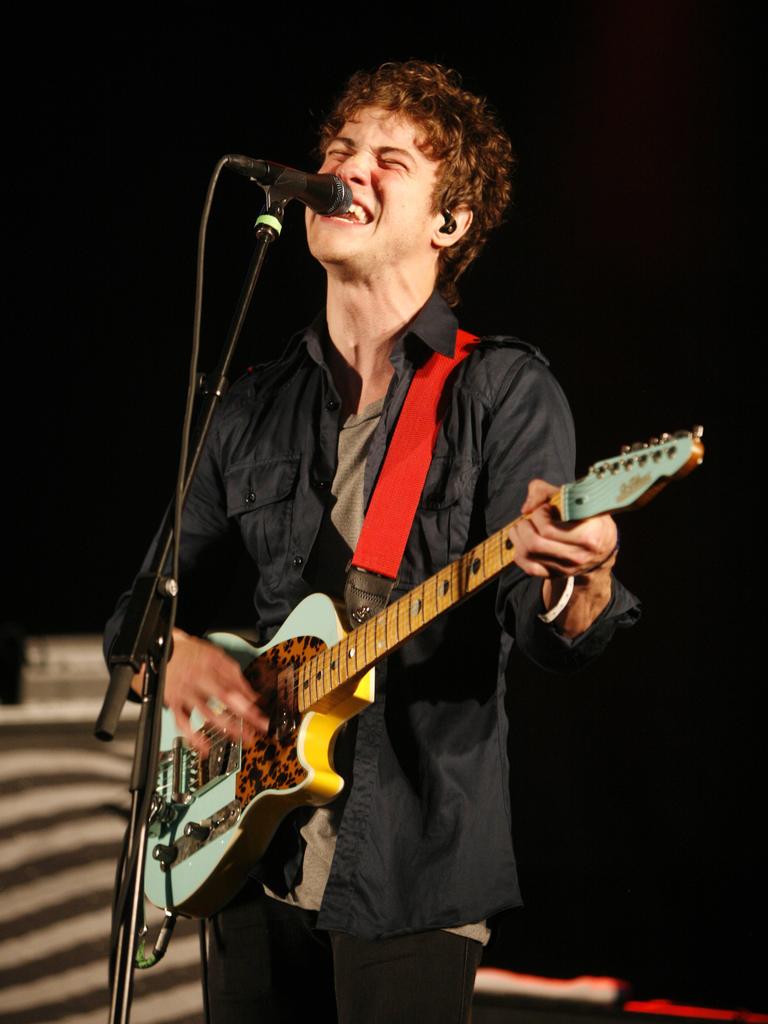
(388, 889)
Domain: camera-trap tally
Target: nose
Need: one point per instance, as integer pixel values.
(354, 170)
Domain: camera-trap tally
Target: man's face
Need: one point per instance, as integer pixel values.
(392, 222)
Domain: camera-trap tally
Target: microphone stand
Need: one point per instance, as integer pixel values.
(145, 640)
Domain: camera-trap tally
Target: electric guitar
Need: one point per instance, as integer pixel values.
(214, 814)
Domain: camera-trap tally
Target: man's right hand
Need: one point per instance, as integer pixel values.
(198, 671)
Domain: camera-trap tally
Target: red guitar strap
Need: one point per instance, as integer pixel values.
(392, 508)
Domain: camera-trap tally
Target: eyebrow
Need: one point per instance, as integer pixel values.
(380, 151)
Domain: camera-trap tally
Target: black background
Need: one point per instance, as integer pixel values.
(638, 785)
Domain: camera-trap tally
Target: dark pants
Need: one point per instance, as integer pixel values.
(268, 964)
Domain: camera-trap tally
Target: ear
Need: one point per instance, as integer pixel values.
(462, 218)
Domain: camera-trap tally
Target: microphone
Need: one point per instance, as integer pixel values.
(324, 193)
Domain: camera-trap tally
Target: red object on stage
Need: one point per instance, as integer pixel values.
(663, 1007)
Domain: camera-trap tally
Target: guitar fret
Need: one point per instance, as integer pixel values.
(414, 603)
(319, 668)
(298, 690)
(310, 690)
(492, 564)
(341, 660)
(466, 578)
(403, 618)
(353, 653)
(391, 626)
(381, 632)
(455, 590)
(322, 684)
(301, 689)
(444, 590)
(341, 647)
(424, 610)
(489, 560)
(325, 682)
(370, 639)
(317, 686)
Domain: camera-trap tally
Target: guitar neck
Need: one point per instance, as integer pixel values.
(626, 481)
(398, 622)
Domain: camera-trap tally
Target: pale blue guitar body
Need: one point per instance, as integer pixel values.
(221, 811)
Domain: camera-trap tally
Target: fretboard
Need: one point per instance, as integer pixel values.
(386, 631)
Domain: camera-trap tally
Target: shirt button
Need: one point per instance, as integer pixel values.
(298, 561)
(323, 485)
(332, 405)
(250, 497)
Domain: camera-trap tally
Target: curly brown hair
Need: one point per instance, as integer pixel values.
(460, 130)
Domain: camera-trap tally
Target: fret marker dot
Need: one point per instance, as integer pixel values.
(351, 652)
(476, 566)
(446, 586)
(380, 644)
(508, 544)
(415, 606)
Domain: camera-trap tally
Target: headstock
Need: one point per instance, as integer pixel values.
(634, 476)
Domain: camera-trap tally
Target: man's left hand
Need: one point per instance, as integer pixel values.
(547, 547)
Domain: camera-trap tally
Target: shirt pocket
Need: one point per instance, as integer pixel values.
(260, 498)
(441, 526)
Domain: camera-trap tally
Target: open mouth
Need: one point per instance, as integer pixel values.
(355, 215)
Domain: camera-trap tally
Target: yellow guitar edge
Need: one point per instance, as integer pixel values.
(318, 737)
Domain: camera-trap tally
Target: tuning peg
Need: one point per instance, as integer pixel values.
(625, 449)
(653, 440)
(698, 431)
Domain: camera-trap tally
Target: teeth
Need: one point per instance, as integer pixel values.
(356, 212)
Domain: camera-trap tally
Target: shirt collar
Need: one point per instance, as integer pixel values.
(435, 325)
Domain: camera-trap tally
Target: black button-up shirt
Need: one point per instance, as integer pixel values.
(425, 837)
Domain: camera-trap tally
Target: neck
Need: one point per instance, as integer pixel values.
(364, 322)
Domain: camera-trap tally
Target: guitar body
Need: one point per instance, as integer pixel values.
(218, 812)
